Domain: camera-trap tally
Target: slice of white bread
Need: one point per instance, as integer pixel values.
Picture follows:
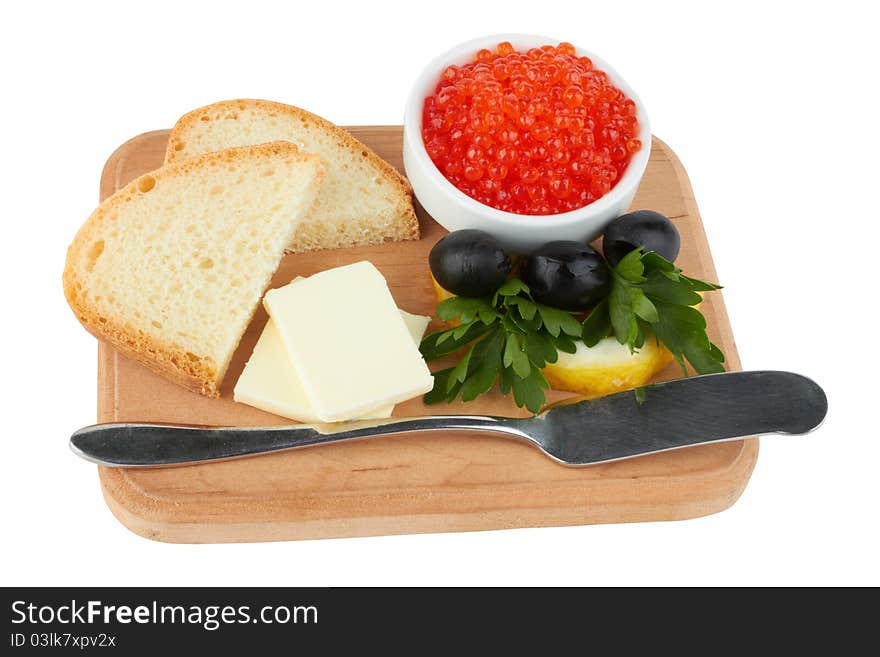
(363, 201)
(170, 269)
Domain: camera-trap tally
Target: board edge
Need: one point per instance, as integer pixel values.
(152, 518)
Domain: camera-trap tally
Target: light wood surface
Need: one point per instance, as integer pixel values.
(414, 484)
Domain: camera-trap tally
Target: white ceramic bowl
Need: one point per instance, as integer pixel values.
(454, 209)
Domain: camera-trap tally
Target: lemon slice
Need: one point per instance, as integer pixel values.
(606, 367)
(440, 292)
(443, 294)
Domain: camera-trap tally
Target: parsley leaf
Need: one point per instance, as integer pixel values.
(439, 392)
(642, 306)
(512, 287)
(529, 392)
(700, 286)
(485, 362)
(466, 310)
(558, 321)
(459, 372)
(442, 343)
(640, 395)
(597, 325)
(540, 349)
(515, 355)
(658, 286)
(623, 319)
(630, 267)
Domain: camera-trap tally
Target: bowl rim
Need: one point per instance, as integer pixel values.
(463, 52)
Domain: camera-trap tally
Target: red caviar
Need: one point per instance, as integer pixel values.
(540, 132)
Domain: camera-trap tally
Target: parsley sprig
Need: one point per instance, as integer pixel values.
(512, 337)
(650, 295)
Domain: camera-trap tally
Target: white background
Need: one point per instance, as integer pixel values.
(772, 108)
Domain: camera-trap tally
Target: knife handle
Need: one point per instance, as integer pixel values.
(163, 445)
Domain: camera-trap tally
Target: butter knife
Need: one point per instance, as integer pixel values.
(663, 416)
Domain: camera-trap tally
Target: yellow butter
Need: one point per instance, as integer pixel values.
(335, 370)
(270, 382)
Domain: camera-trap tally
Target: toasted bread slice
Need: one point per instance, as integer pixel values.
(363, 201)
(170, 269)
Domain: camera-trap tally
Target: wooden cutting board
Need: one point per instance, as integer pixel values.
(414, 484)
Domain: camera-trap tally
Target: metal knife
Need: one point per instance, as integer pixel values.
(663, 416)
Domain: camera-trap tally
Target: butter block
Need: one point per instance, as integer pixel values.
(348, 342)
(415, 324)
(270, 381)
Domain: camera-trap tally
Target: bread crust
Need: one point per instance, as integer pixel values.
(191, 371)
(175, 150)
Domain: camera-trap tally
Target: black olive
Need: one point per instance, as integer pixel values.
(645, 228)
(469, 263)
(566, 275)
